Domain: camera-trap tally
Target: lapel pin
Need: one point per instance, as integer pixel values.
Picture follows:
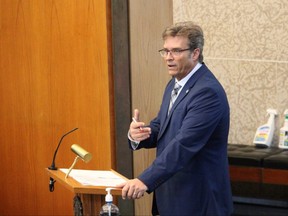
(187, 91)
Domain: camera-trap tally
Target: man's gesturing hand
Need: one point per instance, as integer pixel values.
(137, 131)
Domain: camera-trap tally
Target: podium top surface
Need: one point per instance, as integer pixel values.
(78, 188)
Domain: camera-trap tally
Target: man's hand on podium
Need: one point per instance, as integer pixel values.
(133, 189)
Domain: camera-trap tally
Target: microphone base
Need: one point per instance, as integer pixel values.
(52, 168)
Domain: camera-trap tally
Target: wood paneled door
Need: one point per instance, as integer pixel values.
(55, 75)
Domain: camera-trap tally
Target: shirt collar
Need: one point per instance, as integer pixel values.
(183, 81)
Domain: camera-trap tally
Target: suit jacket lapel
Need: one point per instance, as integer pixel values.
(184, 92)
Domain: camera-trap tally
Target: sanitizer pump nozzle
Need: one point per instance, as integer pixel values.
(109, 197)
(109, 209)
(264, 133)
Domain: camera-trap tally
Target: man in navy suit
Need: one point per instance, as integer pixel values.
(190, 174)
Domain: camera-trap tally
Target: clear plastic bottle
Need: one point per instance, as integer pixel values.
(109, 209)
(283, 138)
(264, 133)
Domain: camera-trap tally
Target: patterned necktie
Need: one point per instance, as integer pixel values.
(174, 95)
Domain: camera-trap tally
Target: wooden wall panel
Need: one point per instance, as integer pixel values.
(55, 75)
(149, 76)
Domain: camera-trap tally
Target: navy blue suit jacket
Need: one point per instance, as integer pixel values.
(190, 173)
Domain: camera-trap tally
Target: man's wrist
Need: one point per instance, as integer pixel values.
(134, 144)
(131, 139)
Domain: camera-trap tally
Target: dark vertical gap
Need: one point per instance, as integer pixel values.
(122, 94)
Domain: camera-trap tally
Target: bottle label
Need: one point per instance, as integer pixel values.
(286, 138)
(283, 139)
(262, 134)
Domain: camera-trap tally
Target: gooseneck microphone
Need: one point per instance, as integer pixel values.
(53, 167)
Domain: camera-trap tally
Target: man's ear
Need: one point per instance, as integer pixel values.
(196, 54)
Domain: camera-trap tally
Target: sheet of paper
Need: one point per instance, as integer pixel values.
(95, 177)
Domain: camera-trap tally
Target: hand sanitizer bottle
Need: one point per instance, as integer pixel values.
(109, 209)
(283, 138)
(264, 133)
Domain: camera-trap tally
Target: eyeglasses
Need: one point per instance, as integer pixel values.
(174, 52)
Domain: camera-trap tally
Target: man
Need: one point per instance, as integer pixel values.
(190, 173)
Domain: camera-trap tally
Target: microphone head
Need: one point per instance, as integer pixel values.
(82, 153)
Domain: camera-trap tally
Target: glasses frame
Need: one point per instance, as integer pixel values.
(173, 52)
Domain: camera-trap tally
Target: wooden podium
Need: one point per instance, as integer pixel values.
(92, 197)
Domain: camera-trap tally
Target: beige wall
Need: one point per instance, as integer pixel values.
(246, 48)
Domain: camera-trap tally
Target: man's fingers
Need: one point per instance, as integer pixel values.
(121, 185)
(138, 195)
(134, 189)
(141, 136)
(128, 191)
(136, 114)
(124, 191)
